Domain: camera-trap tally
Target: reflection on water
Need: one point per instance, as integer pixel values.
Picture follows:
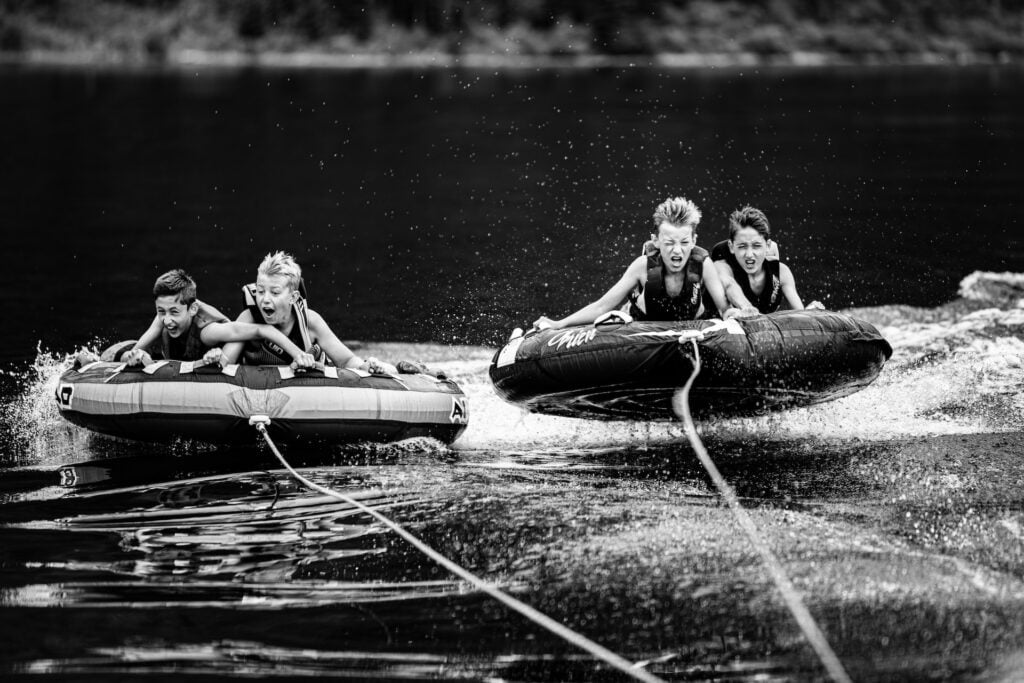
(239, 658)
(244, 528)
(328, 591)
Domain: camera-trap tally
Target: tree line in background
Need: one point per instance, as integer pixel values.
(519, 27)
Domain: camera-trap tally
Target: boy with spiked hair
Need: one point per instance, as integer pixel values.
(276, 299)
(665, 282)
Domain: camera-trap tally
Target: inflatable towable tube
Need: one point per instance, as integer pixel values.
(629, 370)
(171, 399)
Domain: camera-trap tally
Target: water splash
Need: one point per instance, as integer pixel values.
(32, 426)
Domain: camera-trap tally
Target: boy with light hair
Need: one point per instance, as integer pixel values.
(277, 299)
(665, 282)
(677, 211)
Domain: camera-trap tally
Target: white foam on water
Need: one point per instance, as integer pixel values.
(31, 415)
(992, 287)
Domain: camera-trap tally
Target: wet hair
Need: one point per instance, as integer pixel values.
(283, 264)
(749, 217)
(678, 211)
(176, 283)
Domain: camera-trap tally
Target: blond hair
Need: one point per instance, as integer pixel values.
(678, 211)
(283, 264)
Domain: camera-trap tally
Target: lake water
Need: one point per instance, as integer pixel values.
(435, 210)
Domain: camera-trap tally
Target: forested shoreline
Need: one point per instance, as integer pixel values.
(496, 31)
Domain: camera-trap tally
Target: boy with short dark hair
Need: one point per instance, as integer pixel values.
(749, 267)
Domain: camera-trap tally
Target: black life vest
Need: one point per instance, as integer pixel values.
(266, 352)
(770, 298)
(661, 306)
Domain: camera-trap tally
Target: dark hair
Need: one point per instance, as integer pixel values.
(176, 283)
(749, 217)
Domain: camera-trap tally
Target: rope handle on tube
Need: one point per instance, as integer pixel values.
(318, 366)
(613, 317)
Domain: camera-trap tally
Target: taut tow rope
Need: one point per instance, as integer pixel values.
(806, 622)
(579, 640)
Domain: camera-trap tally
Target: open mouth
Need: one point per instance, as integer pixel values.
(267, 312)
(750, 263)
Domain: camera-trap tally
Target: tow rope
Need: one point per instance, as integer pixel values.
(260, 422)
(806, 622)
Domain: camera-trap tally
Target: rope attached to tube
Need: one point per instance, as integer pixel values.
(814, 635)
(579, 640)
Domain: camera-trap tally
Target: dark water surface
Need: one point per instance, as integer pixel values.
(433, 211)
(449, 206)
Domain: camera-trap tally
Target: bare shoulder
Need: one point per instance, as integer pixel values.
(313, 316)
(638, 269)
(245, 317)
(723, 270)
(211, 311)
(316, 322)
(711, 269)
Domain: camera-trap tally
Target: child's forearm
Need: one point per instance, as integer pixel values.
(587, 314)
(231, 351)
(150, 335)
(272, 334)
(734, 296)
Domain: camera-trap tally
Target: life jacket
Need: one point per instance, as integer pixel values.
(190, 346)
(266, 352)
(661, 306)
(770, 298)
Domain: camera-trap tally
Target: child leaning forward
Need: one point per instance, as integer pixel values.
(275, 299)
(188, 329)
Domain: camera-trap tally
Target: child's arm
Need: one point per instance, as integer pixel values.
(336, 350)
(714, 287)
(733, 291)
(238, 331)
(232, 351)
(150, 335)
(139, 353)
(789, 290)
(611, 299)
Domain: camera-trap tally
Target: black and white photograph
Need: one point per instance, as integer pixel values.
(512, 340)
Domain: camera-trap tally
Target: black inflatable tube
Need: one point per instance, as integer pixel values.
(749, 366)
